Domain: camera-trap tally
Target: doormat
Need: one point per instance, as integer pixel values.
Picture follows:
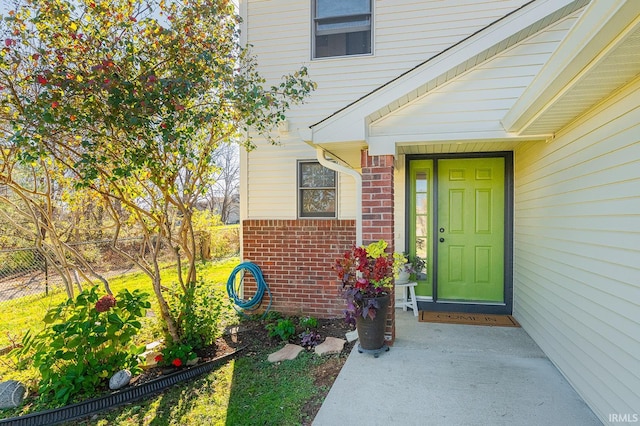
(469, 319)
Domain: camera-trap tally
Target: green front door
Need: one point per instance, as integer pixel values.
(471, 230)
(457, 208)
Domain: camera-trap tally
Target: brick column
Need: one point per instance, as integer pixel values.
(377, 213)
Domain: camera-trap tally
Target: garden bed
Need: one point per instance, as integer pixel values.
(256, 345)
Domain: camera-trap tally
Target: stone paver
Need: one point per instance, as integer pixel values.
(352, 335)
(150, 359)
(332, 345)
(288, 352)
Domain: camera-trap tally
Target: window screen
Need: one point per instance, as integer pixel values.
(316, 190)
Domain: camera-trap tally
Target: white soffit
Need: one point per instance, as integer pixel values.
(458, 147)
(600, 54)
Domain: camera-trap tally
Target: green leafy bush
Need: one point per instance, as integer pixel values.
(198, 312)
(225, 241)
(308, 322)
(86, 341)
(284, 329)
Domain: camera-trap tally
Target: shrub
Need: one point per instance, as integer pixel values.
(225, 241)
(198, 313)
(284, 329)
(88, 340)
(308, 322)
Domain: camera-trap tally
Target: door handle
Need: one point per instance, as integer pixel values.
(442, 240)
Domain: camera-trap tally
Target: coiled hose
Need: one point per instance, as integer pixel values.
(256, 300)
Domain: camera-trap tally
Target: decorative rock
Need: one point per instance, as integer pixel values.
(351, 336)
(193, 362)
(153, 345)
(120, 379)
(331, 345)
(12, 394)
(288, 352)
(150, 359)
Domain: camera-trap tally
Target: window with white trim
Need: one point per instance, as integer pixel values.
(341, 27)
(317, 189)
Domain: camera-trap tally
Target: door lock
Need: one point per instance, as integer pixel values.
(442, 240)
(441, 230)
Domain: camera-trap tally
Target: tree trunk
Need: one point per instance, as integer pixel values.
(165, 313)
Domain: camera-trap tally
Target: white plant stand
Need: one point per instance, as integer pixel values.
(404, 302)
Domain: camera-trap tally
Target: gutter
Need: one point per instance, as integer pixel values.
(357, 177)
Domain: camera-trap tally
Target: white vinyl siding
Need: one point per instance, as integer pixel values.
(577, 245)
(271, 173)
(472, 105)
(406, 34)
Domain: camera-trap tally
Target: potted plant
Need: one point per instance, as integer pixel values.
(419, 268)
(367, 275)
(405, 270)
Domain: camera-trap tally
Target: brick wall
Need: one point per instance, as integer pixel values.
(377, 212)
(297, 258)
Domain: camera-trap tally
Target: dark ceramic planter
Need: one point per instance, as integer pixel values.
(371, 331)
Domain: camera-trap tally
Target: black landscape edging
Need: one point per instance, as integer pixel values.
(92, 406)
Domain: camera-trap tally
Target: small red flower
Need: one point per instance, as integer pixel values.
(176, 362)
(159, 358)
(55, 104)
(105, 303)
(42, 80)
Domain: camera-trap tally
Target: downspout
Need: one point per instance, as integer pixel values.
(358, 178)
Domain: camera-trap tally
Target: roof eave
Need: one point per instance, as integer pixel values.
(350, 123)
(598, 31)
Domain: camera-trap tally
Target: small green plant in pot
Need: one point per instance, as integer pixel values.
(417, 267)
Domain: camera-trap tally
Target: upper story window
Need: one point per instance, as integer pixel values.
(316, 190)
(341, 27)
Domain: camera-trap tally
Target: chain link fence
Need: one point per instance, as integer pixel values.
(27, 271)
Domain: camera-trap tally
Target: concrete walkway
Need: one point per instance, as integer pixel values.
(444, 374)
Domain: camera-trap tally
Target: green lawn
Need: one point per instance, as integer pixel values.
(247, 390)
(27, 312)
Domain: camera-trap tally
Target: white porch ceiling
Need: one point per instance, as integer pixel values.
(618, 68)
(458, 147)
(600, 55)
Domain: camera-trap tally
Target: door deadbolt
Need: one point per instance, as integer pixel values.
(441, 230)
(442, 240)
